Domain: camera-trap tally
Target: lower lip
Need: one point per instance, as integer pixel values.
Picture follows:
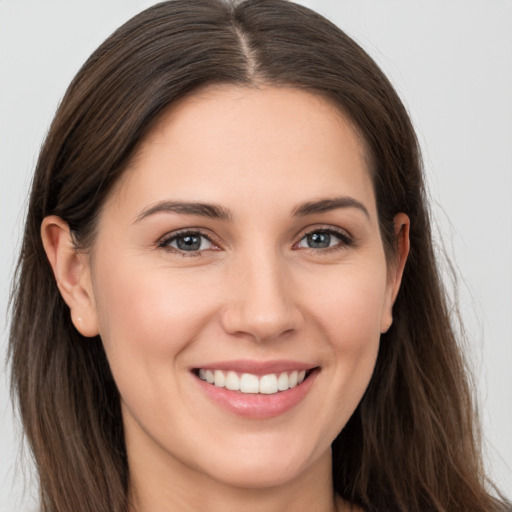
(259, 406)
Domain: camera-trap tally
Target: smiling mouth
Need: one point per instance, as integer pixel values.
(249, 383)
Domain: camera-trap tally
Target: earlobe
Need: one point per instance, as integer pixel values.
(396, 269)
(72, 274)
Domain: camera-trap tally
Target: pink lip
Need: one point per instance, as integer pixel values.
(258, 367)
(258, 406)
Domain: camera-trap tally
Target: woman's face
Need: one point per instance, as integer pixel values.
(242, 245)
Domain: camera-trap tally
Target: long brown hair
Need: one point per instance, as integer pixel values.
(412, 443)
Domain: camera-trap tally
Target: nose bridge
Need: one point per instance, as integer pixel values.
(261, 303)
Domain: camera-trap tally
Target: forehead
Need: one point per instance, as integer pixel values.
(223, 142)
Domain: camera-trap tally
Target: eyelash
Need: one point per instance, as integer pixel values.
(345, 241)
(164, 242)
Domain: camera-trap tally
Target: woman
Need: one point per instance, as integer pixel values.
(228, 253)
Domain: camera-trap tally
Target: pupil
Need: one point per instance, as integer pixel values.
(189, 242)
(319, 240)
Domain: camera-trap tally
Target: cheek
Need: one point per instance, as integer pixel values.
(146, 322)
(152, 315)
(351, 307)
(349, 314)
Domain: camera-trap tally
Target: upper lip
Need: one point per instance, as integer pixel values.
(257, 367)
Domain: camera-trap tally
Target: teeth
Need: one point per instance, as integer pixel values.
(283, 382)
(249, 383)
(268, 384)
(232, 381)
(292, 382)
(219, 378)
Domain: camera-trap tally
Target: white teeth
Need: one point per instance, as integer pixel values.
(249, 383)
(293, 379)
(232, 381)
(219, 378)
(268, 384)
(283, 382)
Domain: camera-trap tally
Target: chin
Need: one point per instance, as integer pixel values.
(257, 476)
(267, 465)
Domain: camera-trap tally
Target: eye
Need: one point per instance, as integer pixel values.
(187, 241)
(324, 239)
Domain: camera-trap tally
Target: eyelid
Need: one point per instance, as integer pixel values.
(163, 241)
(346, 238)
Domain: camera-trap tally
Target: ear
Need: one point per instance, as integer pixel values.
(396, 267)
(72, 272)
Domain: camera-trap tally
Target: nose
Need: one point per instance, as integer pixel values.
(262, 303)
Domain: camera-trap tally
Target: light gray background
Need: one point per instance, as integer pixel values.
(450, 60)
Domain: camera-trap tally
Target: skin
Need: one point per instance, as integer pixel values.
(256, 290)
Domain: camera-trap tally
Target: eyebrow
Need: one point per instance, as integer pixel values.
(211, 211)
(214, 211)
(327, 205)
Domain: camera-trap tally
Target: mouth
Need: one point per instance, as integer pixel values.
(250, 383)
(256, 392)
